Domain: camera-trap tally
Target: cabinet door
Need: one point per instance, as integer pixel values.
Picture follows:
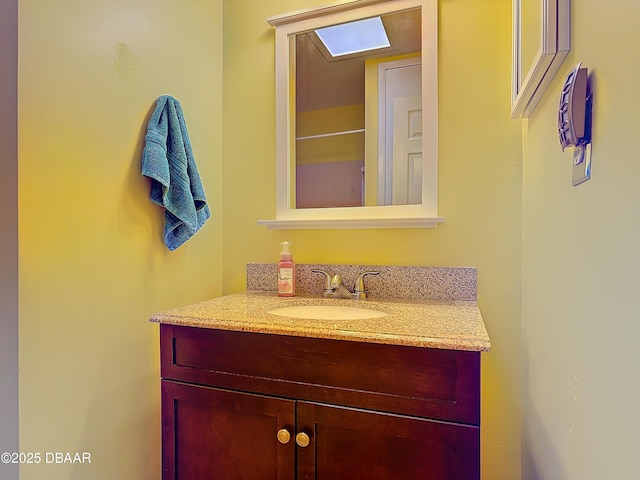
(210, 434)
(350, 443)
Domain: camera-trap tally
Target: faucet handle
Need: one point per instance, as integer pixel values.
(327, 285)
(336, 281)
(358, 288)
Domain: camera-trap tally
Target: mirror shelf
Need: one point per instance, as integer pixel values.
(338, 221)
(420, 213)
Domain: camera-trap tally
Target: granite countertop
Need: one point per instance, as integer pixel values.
(456, 325)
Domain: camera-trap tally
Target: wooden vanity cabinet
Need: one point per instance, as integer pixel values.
(370, 411)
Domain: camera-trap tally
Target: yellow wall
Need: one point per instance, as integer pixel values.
(479, 187)
(93, 267)
(580, 258)
(8, 234)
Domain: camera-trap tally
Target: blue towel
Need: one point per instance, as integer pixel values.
(168, 160)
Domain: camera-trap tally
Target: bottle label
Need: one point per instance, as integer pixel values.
(285, 280)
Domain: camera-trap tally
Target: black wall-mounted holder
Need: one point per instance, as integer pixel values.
(574, 121)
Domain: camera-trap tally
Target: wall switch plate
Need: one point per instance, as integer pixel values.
(581, 169)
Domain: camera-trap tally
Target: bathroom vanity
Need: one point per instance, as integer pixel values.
(248, 394)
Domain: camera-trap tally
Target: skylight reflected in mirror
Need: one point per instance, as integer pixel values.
(354, 37)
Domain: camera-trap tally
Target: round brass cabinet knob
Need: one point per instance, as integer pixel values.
(284, 436)
(302, 439)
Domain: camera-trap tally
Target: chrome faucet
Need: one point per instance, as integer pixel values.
(335, 287)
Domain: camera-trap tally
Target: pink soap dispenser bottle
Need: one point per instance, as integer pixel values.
(286, 272)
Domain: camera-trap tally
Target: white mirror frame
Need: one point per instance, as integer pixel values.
(389, 216)
(554, 46)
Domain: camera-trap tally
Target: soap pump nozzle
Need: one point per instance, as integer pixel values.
(286, 251)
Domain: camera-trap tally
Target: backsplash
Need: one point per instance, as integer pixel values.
(427, 283)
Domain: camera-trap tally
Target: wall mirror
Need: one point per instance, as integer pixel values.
(356, 130)
(541, 41)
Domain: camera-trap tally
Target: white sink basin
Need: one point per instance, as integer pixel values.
(327, 312)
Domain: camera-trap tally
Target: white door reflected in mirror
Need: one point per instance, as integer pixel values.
(400, 132)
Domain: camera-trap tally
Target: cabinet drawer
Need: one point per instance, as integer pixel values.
(432, 383)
